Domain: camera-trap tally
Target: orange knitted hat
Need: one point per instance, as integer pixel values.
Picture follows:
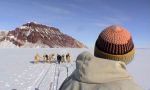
(115, 43)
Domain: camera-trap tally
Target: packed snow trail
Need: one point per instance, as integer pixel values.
(47, 78)
(42, 78)
(38, 78)
(52, 76)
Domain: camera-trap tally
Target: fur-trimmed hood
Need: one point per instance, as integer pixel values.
(90, 69)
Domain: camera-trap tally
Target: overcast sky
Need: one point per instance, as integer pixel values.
(81, 19)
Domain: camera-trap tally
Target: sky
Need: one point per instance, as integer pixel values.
(81, 19)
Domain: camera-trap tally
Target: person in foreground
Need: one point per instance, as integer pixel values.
(106, 70)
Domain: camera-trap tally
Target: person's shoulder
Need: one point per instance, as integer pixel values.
(126, 84)
(85, 56)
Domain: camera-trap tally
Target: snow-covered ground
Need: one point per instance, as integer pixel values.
(17, 70)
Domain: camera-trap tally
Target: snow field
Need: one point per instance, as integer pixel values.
(19, 72)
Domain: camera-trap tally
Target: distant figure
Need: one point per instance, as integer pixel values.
(45, 58)
(51, 57)
(68, 57)
(59, 58)
(63, 59)
(106, 70)
(37, 58)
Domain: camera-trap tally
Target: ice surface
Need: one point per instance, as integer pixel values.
(17, 70)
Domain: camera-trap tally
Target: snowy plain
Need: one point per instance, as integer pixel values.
(18, 72)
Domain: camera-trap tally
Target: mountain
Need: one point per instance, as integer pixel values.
(34, 35)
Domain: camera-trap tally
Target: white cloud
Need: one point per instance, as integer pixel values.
(101, 25)
(52, 8)
(57, 10)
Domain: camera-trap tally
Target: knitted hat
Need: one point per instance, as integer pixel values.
(115, 43)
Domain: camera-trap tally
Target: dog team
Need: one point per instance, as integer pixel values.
(64, 58)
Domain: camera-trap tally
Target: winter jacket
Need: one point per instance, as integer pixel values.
(93, 73)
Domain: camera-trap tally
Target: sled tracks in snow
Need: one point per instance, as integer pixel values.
(42, 78)
(54, 85)
(45, 78)
(36, 84)
(49, 77)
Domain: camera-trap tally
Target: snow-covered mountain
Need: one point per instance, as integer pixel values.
(34, 35)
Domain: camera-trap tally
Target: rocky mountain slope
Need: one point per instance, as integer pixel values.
(34, 35)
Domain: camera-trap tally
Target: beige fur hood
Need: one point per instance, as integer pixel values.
(90, 69)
